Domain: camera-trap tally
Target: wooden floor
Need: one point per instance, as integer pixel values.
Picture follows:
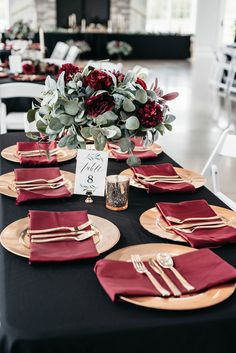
(195, 132)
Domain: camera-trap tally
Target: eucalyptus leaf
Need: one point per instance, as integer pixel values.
(126, 144)
(111, 132)
(168, 127)
(141, 96)
(31, 115)
(72, 142)
(133, 161)
(123, 116)
(100, 142)
(32, 136)
(161, 129)
(110, 116)
(63, 141)
(55, 124)
(101, 120)
(82, 145)
(71, 107)
(65, 119)
(128, 105)
(132, 123)
(85, 132)
(41, 126)
(151, 94)
(170, 118)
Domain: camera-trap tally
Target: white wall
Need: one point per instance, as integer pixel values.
(23, 10)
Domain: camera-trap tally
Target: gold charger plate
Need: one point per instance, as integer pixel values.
(7, 188)
(194, 178)
(11, 236)
(63, 155)
(148, 220)
(155, 148)
(204, 299)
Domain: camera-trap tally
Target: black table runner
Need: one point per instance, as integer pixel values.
(61, 308)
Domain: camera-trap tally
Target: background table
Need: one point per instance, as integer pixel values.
(61, 308)
(145, 46)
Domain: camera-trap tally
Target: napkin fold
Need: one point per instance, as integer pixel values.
(61, 250)
(165, 169)
(39, 173)
(200, 237)
(138, 141)
(36, 160)
(203, 269)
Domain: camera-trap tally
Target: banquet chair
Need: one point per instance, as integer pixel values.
(17, 120)
(72, 54)
(225, 147)
(231, 96)
(60, 51)
(58, 55)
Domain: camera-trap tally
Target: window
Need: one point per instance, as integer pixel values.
(4, 15)
(171, 16)
(229, 22)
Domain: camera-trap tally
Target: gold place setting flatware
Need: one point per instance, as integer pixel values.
(217, 229)
(166, 276)
(10, 187)
(182, 177)
(63, 154)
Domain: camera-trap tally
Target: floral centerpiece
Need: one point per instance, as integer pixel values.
(108, 106)
(119, 48)
(19, 30)
(39, 67)
(83, 46)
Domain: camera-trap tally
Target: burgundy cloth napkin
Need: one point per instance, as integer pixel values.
(39, 173)
(200, 237)
(138, 143)
(165, 169)
(203, 269)
(37, 160)
(61, 250)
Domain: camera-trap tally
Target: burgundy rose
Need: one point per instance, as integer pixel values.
(141, 83)
(28, 69)
(70, 70)
(98, 79)
(150, 114)
(99, 104)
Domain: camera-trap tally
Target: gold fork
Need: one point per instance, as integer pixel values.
(142, 269)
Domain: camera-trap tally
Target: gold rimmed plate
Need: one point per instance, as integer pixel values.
(7, 183)
(194, 178)
(64, 154)
(154, 148)
(149, 218)
(200, 300)
(14, 240)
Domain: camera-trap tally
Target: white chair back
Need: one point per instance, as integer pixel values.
(72, 54)
(225, 147)
(60, 51)
(13, 90)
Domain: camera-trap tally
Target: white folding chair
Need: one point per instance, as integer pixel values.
(225, 147)
(72, 54)
(17, 120)
(60, 51)
(231, 93)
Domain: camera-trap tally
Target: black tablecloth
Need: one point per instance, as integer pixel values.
(145, 46)
(61, 308)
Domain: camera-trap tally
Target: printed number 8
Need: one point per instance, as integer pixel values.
(90, 179)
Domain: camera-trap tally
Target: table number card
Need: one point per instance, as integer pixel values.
(91, 170)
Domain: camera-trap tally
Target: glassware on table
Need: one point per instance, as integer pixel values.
(117, 190)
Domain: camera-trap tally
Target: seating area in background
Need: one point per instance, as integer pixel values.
(223, 85)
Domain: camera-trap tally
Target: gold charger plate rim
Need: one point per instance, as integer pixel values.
(9, 153)
(209, 297)
(10, 235)
(197, 182)
(9, 177)
(148, 222)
